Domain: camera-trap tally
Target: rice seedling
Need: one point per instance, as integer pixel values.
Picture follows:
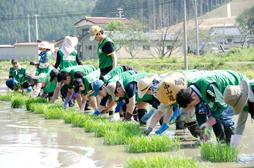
(38, 108)
(54, 113)
(17, 101)
(34, 100)
(218, 152)
(6, 97)
(102, 128)
(162, 161)
(91, 125)
(68, 115)
(115, 138)
(120, 133)
(78, 119)
(152, 144)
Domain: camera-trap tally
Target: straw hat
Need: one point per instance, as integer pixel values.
(111, 87)
(93, 31)
(143, 85)
(170, 86)
(237, 96)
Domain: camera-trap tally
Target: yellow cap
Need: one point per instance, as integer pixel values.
(93, 31)
(170, 86)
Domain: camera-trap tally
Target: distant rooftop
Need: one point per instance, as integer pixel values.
(99, 20)
(228, 31)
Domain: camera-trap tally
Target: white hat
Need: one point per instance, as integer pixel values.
(237, 96)
(143, 85)
(111, 87)
(44, 45)
(69, 44)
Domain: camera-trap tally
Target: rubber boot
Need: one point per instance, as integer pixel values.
(147, 131)
(141, 113)
(163, 128)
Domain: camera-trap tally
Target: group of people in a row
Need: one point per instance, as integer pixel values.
(192, 99)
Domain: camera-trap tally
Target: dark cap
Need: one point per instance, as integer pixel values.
(76, 84)
(53, 73)
(14, 61)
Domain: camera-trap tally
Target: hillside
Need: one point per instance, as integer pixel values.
(56, 18)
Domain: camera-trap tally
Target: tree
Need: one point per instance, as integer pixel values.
(127, 36)
(245, 22)
(163, 49)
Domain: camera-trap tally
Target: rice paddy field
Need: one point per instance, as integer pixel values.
(70, 138)
(123, 143)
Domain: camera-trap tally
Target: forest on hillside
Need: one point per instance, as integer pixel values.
(56, 18)
(155, 14)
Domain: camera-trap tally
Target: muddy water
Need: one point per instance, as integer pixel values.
(27, 140)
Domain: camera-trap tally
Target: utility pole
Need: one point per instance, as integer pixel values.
(185, 36)
(120, 12)
(28, 27)
(197, 28)
(36, 27)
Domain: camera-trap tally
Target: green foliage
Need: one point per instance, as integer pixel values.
(218, 152)
(246, 20)
(152, 144)
(56, 18)
(162, 162)
(115, 26)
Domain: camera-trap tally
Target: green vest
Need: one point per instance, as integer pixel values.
(89, 79)
(219, 78)
(104, 59)
(145, 98)
(67, 60)
(50, 85)
(116, 71)
(18, 74)
(131, 76)
(191, 75)
(85, 69)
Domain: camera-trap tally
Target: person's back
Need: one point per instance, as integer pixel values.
(67, 55)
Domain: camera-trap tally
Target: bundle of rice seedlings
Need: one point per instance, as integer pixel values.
(152, 144)
(34, 100)
(68, 115)
(162, 162)
(218, 152)
(54, 113)
(115, 138)
(17, 101)
(6, 97)
(90, 125)
(78, 119)
(103, 127)
(38, 108)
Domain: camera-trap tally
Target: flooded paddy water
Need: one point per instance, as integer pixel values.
(28, 140)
